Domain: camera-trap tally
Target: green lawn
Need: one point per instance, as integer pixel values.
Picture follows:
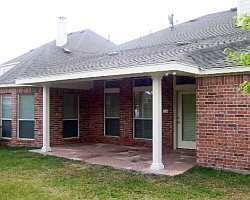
(25, 175)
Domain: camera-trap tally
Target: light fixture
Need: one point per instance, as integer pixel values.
(169, 73)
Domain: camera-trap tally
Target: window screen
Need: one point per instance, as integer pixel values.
(112, 114)
(70, 128)
(26, 129)
(6, 128)
(112, 127)
(70, 107)
(6, 115)
(143, 114)
(6, 106)
(70, 116)
(26, 116)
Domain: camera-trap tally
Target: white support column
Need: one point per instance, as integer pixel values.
(157, 123)
(46, 119)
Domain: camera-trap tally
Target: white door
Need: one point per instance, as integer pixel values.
(187, 120)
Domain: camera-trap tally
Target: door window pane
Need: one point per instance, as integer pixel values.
(188, 117)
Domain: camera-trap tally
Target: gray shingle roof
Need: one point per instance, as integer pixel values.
(213, 57)
(85, 42)
(198, 42)
(88, 41)
(208, 26)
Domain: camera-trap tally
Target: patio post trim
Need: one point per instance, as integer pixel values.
(157, 122)
(46, 119)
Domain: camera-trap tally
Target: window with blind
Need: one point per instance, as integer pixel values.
(143, 114)
(26, 116)
(112, 114)
(70, 115)
(6, 115)
(143, 108)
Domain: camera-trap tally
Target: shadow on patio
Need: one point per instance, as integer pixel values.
(126, 157)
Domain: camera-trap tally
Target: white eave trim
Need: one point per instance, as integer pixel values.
(227, 70)
(134, 70)
(14, 85)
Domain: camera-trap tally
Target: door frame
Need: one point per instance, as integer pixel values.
(180, 143)
(176, 89)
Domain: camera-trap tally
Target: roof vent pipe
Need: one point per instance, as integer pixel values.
(171, 21)
(61, 32)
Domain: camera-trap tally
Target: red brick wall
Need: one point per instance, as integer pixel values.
(223, 119)
(96, 110)
(167, 118)
(56, 116)
(91, 115)
(37, 141)
(56, 110)
(223, 123)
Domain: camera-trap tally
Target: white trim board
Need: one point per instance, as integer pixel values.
(14, 85)
(145, 70)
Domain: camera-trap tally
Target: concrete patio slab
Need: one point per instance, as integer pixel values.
(124, 157)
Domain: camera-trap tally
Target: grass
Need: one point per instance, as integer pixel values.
(26, 175)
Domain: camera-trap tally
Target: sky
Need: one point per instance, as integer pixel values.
(28, 24)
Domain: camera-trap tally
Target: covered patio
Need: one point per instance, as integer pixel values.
(133, 106)
(126, 157)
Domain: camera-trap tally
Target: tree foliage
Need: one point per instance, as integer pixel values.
(241, 58)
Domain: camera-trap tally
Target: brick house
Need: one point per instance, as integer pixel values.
(167, 90)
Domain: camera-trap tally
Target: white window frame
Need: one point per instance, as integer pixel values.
(140, 89)
(78, 114)
(1, 114)
(110, 91)
(18, 118)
